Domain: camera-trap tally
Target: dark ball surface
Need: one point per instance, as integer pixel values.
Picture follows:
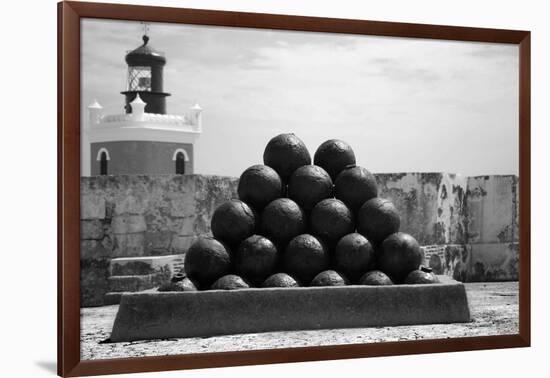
(375, 278)
(308, 185)
(354, 186)
(230, 282)
(259, 185)
(377, 219)
(305, 257)
(331, 219)
(333, 156)
(421, 277)
(233, 221)
(329, 278)
(282, 220)
(353, 256)
(399, 255)
(285, 153)
(181, 285)
(207, 260)
(256, 258)
(280, 280)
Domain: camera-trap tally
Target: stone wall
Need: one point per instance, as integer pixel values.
(131, 216)
(492, 209)
(493, 228)
(471, 221)
(432, 205)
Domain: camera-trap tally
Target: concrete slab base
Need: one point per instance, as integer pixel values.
(145, 316)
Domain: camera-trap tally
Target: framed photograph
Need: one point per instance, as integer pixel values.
(240, 188)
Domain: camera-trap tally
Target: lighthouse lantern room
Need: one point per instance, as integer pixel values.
(145, 77)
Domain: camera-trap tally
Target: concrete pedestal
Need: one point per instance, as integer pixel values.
(144, 316)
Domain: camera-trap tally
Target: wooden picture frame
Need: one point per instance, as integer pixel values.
(69, 16)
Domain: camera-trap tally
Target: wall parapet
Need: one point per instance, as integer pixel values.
(145, 215)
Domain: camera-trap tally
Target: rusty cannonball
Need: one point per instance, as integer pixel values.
(333, 156)
(280, 280)
(308, 185)
(259, 185)
(375, 278)
(377, 219)
(230, 282)
(353, 256)
(304, 257)
(421, 276)
(256, 258)
(281, 220)
(399, 255)
(285, 153)
(331, 219)
(207, 260)
(233, 221)
(329, 278)
(354, 186)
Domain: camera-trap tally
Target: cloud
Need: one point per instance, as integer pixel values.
(507, 52)
(407, 104)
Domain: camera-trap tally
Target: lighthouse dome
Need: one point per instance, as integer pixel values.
(145, 55)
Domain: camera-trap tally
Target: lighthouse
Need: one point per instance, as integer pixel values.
(143, 138)
(145, 78)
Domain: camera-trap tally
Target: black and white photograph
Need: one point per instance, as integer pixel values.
(248, 189)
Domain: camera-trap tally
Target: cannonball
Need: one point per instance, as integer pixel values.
(182, 285)
(233, 221)
(375, 278)
(399, 255)
(353, 256)
(333, 156)
(331, 219)
(355, 186)
(259, 185)
(256, 258)
(377, 219)
(285, 153)
(305, 257)
(421, 276)
(308, 185)
(207, 260)
(281, 220)
(229, 282)
(280, 280)
(329, 278)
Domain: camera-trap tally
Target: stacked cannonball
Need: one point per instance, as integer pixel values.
(298, 224)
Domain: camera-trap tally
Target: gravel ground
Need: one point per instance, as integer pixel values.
(493, 306)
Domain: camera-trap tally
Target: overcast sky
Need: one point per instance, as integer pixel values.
(404, 105)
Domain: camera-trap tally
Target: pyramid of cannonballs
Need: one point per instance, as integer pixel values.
(298, 224)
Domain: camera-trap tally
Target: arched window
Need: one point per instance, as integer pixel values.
(103, 159)
(103, 164)
(180, 157)
(180, 163)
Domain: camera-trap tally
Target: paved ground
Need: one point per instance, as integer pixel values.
(494, 308)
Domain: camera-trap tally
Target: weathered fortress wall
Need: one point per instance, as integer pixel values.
(134, 216)
(468, 224)
(432, 205)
